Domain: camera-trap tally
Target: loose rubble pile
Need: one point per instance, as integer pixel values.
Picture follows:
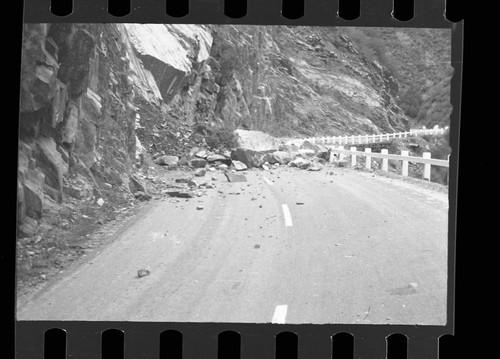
(255, 150)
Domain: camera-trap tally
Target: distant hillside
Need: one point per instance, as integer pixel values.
(420, 61)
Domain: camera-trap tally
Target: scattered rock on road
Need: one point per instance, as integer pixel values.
(239, 166)
(284, 157)
(199, 207)
(180, 194)
(142, 273)
(300, 163)
(315, 166)
(233, 177)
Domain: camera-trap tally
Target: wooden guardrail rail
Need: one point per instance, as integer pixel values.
(366, 139)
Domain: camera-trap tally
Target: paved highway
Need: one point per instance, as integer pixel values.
(288, 246)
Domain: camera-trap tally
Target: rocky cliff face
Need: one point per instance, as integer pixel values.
(98, 99)
(300, 80)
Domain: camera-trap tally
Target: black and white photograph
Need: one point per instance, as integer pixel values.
(233, 174)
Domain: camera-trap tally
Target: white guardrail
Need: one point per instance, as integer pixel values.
(385, 156)
(334, 142)
(365, 139)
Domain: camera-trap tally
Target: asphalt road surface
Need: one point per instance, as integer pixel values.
(288, 246)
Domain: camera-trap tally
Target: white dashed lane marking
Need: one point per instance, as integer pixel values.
(279, 316)
(287, 215)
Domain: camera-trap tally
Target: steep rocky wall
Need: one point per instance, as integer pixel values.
(84, 88)
(296, 80)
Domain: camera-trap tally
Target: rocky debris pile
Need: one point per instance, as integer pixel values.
(263, 151)
(257, 149)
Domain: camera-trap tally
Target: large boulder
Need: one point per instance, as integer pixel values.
(239, 166)
(169, 52)
(255, 140)
(306, 145)
(315, 166)
(253, 147)
(249, 157)
(218, 158)
(300, 162)
(288, 147)
(306, 152)
(283, 157)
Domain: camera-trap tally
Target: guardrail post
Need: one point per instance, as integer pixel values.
(353, 156)
(366, 138)
(380, 137)
(341, 155)
(400, 135)
(385, 161)
(368, 163)
(404, 167)
(352, 140)
(427, 166)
